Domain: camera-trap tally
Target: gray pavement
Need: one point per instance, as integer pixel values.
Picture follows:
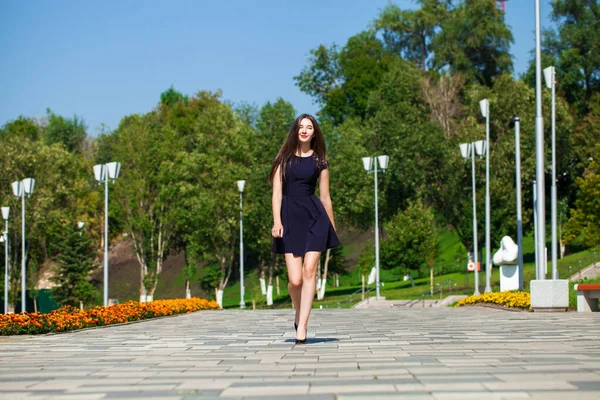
(413, 353)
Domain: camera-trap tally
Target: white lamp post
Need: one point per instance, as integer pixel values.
(484, 105)
(517, 125)
(368, 163)
(471, 150)
(4, 238)
(23, 189)
(539, 150)
(242, 302)
(105, 173)
(550, 78)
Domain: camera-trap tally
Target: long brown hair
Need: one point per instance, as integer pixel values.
(292, 145)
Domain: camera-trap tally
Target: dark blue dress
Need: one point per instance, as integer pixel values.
(306, 225)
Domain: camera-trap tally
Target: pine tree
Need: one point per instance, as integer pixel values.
(75, 261)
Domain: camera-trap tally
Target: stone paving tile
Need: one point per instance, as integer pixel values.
(351, 354)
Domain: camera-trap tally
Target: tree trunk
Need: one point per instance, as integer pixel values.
(143, 293)
(263, 285)
(431, 279)
(321, 293)
(269, 288)
(363, 287)
(220, 297)
(318, 276)
(188, 293)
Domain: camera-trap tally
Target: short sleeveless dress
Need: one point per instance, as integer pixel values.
(306, 225)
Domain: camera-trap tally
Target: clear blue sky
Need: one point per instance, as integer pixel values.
(102, 60)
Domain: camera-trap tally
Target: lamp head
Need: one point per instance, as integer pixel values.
(480, 147)
(513, 121)
(367, 163)
(549, 77)
(5, 213)
(383, 161)
(100, 172)
(465, 150)
(17, 188)
(241, 185)
(113, 170)
(484, 106)
(28, 186)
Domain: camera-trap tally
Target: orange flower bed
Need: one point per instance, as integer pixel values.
(71, 318)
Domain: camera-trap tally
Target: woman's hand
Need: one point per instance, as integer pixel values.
(277, 231)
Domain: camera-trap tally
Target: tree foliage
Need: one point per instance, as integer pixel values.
(75, 261)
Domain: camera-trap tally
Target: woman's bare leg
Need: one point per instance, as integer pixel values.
(309, 285)
(294, 268)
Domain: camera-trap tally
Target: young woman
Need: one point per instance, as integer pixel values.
(303, 223)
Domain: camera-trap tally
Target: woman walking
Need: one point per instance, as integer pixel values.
(303, 223)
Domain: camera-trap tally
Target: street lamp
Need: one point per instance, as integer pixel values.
(484, 105)
(368, 163)
(550, 78)
(516, 123)
(23, 189)
(105, 173)
(4, 238)
(471, 150)
(242, 302)
(539, 150)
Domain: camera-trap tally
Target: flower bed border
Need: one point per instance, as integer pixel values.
(70, 319)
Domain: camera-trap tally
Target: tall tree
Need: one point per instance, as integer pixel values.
(75, 261)
(409, 33)
(146, 149)
(411, 241)
(341, 80)
(585, 218)
(207, 196)
(475, 41)
(68, 131)
(576, 47)
(62, 192)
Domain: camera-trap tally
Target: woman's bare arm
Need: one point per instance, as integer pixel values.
(277, 230)
(324, 194)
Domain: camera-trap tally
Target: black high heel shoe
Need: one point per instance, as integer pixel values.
(302, 341)
(296, 327)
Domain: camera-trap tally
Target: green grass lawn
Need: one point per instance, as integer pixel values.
(450, 274)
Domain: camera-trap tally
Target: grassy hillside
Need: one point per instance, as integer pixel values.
(450, 275)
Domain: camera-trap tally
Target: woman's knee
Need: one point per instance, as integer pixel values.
(295, 282)
(309, 274)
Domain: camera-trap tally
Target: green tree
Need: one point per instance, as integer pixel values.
(411, 240)
(171, 97)
(75, 261)
(576, 47)
(146, 148)
(341, 80)
(62, 192)
(409, 33)
(475, 41)
(69, 132)
(585, 218)
(207, 206)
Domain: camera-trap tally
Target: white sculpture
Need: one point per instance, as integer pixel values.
(507, 258)
(508, 253)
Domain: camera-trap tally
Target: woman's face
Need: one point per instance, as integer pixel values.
(305, 131)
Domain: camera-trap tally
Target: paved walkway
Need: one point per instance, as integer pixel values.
(421, 353)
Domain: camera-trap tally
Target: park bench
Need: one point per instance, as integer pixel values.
(587, 296)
